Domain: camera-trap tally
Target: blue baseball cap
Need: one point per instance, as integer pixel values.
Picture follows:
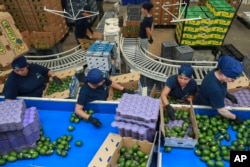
(19, 63)
(186, 70)
(94, 76)
(230, 67)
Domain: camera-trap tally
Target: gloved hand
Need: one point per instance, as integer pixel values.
(151, 40)
(232, 98)
(127, 91)
(94, 121)
(57, 80)
(170, 112)
(238, 120)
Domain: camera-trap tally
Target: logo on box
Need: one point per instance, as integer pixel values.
(239, 158)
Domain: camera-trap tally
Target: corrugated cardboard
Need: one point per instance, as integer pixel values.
(129, 81)
(179, 142)
(1, 88)
(241, 82)
(11, 41)
(4, 75)
(109, 152)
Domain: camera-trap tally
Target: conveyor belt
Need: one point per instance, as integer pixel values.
(57, 62)
(158, 68)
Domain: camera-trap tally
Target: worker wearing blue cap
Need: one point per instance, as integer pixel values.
(95, 87)
(213, 89)
(181, 87)
(27, 80)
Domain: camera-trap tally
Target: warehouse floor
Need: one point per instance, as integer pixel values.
(238, 35)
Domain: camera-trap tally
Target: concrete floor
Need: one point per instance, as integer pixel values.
(238, 35)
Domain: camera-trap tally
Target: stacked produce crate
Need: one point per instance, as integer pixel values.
(102, 55)
(132, 23)
(41, 29)
(161, 16)
(19, 126)
(210, 30)
(136, 116)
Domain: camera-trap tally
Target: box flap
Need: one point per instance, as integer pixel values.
(124, 78)
(103, 156)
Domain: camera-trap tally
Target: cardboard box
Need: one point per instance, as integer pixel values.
(109, 152)
(180, 142)
(241, 82)
(1, 88)
(4, 75)
(129, 81)
(11, 41)
(63, 94)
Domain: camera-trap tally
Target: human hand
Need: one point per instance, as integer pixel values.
(232, 98)
(151, 40)
(94, 121)
(57, 80)
(238, 120)
(170, 112)
(127, 91)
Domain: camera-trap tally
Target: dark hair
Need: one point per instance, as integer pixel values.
(148, 6)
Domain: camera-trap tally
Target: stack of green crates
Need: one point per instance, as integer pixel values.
(210, 30)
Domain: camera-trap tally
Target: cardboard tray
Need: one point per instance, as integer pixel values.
(109, 152)
(179, 142)
(130, 80)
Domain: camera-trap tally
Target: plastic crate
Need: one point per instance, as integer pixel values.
(183, 52)
(167, 49)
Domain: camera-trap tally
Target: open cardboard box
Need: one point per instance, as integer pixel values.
(63, 94)
(180, 142)
(129, 81)
(109, 152)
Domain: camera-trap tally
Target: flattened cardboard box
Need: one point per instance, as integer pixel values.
(180, 142)
(129, 81)
(109, 152)
(11, 41)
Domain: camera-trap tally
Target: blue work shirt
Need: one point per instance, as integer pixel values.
(146, 23)
(88, 94)
(176, 90)
(31, 85)
(212, 92)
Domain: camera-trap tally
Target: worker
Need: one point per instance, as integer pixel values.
(213, 89)
(181, 87)
(146, 26)
(27, 80)
(82, 24)
(99, 5)
(95, 87)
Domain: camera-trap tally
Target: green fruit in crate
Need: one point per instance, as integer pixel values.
(219, 164)
(123, 150)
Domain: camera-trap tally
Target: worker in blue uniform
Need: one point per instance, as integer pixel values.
(95, 87)
(27, 80)
(181, 87)
(146, 26)
(82, 24)
(213, 89)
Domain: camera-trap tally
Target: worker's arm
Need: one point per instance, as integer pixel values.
(80, 111)
(55, 78)
(116, 86)
(164, 94)
(227, 114)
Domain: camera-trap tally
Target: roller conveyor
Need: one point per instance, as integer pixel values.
(158, 68)
(57, 62)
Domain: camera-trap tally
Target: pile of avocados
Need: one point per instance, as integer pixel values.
(132, 157)
(54, 87)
